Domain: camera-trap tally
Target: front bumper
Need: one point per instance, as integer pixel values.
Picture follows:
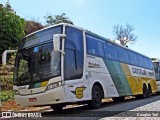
(53, 96)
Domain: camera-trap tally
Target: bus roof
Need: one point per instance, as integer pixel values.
(87, 31)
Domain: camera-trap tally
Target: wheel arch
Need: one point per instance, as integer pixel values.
(100, 86)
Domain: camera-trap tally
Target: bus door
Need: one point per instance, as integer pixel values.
(75, 87)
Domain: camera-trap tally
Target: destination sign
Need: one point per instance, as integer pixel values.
(41, 36)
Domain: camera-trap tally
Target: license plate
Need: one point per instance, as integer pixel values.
(32, 99)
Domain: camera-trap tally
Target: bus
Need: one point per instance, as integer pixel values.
(65, 64)
(156, 64)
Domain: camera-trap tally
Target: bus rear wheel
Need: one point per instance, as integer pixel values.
(145, 92)
(149, 91)
(57, 107)
(97, 96)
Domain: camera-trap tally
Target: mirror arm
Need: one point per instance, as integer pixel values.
(62, 52)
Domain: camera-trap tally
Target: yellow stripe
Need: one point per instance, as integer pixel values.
(43, 84)
(126, 69)
(136, 83)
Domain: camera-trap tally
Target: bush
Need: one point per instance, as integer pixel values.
(6, 78)
(6, 95)
(11, 29)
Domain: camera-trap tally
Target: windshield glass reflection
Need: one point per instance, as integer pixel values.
(37, 63)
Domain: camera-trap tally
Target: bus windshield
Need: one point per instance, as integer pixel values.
(157, 70)
(36, 64)
(36, 60)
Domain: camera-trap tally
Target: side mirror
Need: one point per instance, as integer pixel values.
(56, 41)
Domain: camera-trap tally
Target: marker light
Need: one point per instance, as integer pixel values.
(16, 92)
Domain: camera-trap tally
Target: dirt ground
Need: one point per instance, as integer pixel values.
(10, 105)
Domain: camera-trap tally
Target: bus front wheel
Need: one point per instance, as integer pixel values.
(97, 96)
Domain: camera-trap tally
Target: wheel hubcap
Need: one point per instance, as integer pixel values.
(97, 97)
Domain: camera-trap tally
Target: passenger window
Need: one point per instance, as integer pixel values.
(150, 65)
(122, 54)
(132, 58)
(110, 51)
(145, 62)
(140, 60)
(94, 46)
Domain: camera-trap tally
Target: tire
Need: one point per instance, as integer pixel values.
(97, 96)
(149, 91)
(138, 96)
(118, 99)
(57, 107)
(145, 92)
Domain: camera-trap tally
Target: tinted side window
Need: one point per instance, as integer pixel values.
(70, 64)
(150, 65)
(122, 54)
(110, 51)
(73, 61)
(140, 60)
(132, 58)
(94, 46)
(74, 39)
(145, 62)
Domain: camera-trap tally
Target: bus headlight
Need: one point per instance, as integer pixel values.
(54, 85)
(16, 92)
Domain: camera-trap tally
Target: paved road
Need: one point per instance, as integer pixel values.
(123, 109)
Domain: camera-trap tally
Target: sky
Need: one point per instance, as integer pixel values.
(99, 16)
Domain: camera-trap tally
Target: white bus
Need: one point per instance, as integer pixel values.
(64, 64)
(156, 64)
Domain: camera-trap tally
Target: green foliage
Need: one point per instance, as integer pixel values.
(11, 29)
(6, 95)
(6, 82)
(6, 75)
(6, 78)
(51, 20)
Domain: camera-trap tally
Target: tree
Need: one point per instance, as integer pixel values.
(51, 20)
(124, 34)
(32, 26)
(11, 28)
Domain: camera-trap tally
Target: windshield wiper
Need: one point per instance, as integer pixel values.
(23, 75)
(38, 75)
